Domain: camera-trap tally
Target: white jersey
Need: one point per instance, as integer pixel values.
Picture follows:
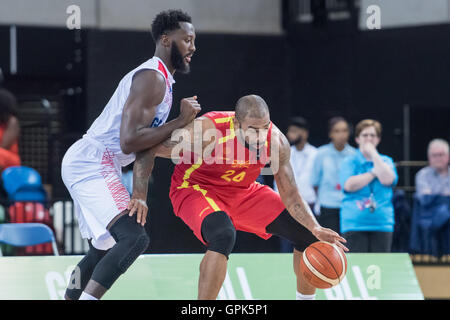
(106, 128)
(91, 168)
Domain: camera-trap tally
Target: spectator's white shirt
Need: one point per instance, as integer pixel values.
(302, 163)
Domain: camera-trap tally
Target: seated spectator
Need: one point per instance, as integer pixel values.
(368, 178)
(302, 158)
(325, 173)
(435, 178)
(9, 131)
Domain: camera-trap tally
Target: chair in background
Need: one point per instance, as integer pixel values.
(26, 202)
(23, 184)
(27, 234)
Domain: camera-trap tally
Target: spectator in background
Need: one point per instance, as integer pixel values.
(325, 172)
(302, 158)
(127, 177)
(368, 178)
(9, 130)
(435, 178)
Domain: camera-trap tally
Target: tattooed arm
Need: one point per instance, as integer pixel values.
(290, 195)
(142, 169)
(143, 165)
(181, 139)
(287, 187)
(197, 137)
(188, 138)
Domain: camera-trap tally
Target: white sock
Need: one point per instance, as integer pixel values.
(87, 296)
(299, 296)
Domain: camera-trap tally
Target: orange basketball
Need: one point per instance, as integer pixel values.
(323, 264)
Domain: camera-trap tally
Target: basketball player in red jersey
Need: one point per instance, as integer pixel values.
(214, 192)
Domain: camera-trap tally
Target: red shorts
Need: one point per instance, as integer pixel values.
(250, 210)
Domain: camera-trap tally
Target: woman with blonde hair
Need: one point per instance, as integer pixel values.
(368, 178)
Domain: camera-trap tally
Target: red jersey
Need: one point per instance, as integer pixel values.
(225, 181)
(230, 165)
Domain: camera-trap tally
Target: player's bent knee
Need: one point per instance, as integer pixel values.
(219, 233)
(223, 240)
(131, 241)
(137, 246)
(131, 238)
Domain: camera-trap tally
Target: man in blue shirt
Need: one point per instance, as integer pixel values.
(368, 178)
(325, 172)
(435, 178)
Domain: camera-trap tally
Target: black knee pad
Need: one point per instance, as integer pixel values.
(131, 241)
(83, 271)
(219, 233)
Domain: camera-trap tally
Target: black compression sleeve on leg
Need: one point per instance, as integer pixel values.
(131, 240)
(287, 227)
(219, 233)
(83, 272)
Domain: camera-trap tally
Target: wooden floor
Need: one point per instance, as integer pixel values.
(434, 280)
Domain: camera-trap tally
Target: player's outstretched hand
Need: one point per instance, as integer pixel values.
(139, 207)
(328, 235)
(189, 107)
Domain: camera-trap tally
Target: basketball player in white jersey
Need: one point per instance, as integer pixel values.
(132, 121)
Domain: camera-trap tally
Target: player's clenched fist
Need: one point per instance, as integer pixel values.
(189, 107)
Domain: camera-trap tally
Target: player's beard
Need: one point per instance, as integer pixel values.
(252, 147)
(177, 60)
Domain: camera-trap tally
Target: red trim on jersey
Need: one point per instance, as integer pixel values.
(162, 69)
(118, 191)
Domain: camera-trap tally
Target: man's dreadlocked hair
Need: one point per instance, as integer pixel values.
(167, 21)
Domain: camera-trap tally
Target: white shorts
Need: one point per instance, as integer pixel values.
(92, 175)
